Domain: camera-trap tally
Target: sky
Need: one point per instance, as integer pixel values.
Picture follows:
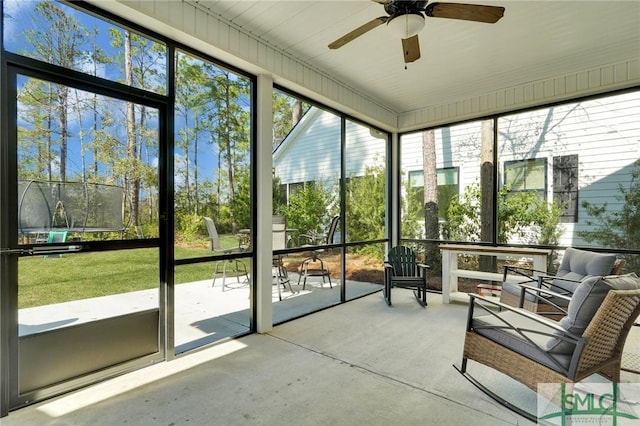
(19, 17)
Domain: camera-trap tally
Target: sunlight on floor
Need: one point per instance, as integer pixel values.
(119, 385)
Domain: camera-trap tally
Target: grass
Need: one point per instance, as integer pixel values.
(47, 280)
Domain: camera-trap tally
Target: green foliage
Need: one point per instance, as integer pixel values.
(223, 220)
(546, 228)
(307, 209)
(190, 226)
(279, 196)
(413, 216)
(211, 105)
(522, 215)
(528, 217)
(282, 117)
(366, 209)
(617, 229)
(462, 222)
(57, 37)
(241, 203)
(283, 107)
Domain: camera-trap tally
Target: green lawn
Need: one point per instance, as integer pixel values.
(46, 280)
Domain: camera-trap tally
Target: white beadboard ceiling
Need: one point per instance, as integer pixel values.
(534, 40)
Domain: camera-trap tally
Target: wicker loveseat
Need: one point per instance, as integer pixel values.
(533, 349)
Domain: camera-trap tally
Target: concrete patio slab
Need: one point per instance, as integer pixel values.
(204, 313)
(359, 363)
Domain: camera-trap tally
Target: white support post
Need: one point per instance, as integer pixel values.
(449, 282)
(264, 198)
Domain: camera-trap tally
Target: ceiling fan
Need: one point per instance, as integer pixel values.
(406, 18)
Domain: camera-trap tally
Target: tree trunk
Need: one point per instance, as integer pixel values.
(296, 112)
(487, 228)
(63, 100)
(83, 156)
(133, 183)
(431, 225)
(230, 155)
(50, 119)
(195, 165)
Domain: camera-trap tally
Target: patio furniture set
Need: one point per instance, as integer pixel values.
(560, 328)
(538, 328)
(313, 266)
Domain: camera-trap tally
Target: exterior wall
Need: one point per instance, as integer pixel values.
(311, 152)
(463, 153)
(364, 148)
(604, 135)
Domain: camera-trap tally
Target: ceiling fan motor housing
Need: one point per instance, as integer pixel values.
(402, 7)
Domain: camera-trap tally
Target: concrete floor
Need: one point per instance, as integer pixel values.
(204, 313)
(360, 363)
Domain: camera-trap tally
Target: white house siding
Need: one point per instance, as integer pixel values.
(456, 146)
(604, 133)
(364, 148)
(311, 152)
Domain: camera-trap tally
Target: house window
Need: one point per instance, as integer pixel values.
(526, 175)
(565, 186)
(448, 186)
(294, 188)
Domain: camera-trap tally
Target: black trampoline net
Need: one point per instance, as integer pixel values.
(70, 206)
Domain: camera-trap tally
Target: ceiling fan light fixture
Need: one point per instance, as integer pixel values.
(406, 25)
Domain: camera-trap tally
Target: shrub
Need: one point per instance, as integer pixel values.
(522, 215)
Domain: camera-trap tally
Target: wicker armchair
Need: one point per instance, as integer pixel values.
(532, 349)
(576, 266)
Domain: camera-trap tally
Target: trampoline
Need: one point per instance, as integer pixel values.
(46, 206)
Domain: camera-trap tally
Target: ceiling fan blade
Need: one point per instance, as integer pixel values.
(411, 49)
(358, 32)
(467, 12)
